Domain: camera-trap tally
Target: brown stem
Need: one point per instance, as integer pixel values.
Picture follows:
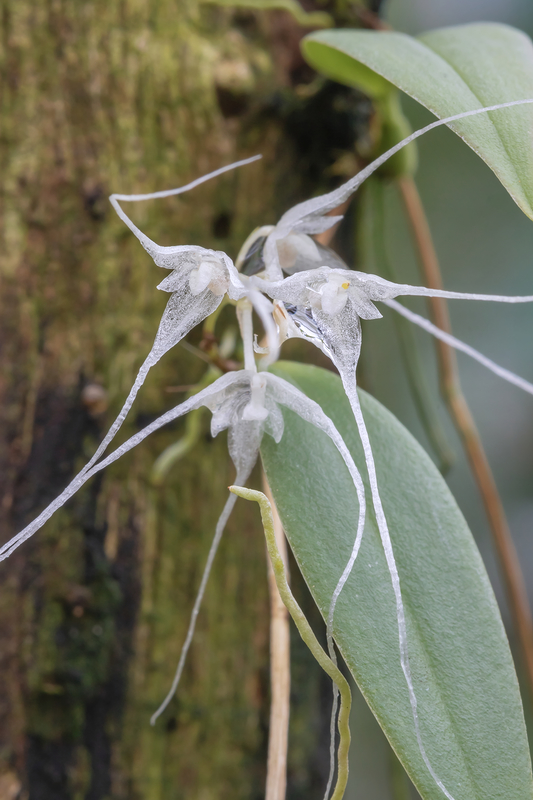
(463, 420)
(280, 672)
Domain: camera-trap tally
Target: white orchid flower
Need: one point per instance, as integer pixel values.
(321, 301)
(247, 403)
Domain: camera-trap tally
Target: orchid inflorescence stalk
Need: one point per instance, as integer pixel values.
(297, 288)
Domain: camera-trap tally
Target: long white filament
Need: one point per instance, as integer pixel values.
(82, 476)
(87, 472)
(422, 291)
(135, 198)
(428, 326)
(149, 362)
(329, 630)
(350, 387)
(240, 480)
(312, 412)
(327, 202)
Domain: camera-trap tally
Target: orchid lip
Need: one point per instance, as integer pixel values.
(308, 327)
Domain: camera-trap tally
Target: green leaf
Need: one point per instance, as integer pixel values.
(469, 704)
(449, 70)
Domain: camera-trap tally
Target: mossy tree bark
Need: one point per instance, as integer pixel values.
(128, 96)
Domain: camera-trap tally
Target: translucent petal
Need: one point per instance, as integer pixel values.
(318, 225)
(232, 398)
(175, 256)
(188, 260)
(300, 322)
(362, 305)
(183, 312)
(237, 282)
(225, 412)
(294, 289)
(337, 335)
(296, 252)
(244, 440)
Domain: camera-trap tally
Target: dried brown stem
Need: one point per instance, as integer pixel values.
(280, 672)
(463, 420)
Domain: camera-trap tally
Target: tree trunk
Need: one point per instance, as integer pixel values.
(132, 96)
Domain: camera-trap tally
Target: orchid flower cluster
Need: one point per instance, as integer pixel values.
(298, 288)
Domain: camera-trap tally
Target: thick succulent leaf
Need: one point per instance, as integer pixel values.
(449, 70)
(469, 704)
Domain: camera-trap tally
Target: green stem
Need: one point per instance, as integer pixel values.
(306, 633)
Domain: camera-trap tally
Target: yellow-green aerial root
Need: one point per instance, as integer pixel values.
(307, 634)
